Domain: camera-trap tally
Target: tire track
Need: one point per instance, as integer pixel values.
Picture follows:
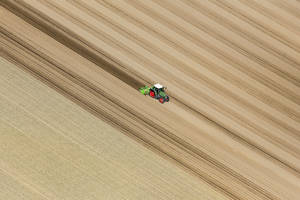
(271, 27)
(284, 18)
(246, 42)
(291, 57)
(291, 7)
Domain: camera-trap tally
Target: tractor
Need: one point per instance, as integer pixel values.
(157, 91)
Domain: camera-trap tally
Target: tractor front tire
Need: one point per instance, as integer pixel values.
(167, 99)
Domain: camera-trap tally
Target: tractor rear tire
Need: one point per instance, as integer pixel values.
(152, 94)
(161, 100)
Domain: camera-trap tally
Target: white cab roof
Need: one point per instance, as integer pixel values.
(157, 85)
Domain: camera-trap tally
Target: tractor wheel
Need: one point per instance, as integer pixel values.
(161, 100)
(167, 99)
(152, 93)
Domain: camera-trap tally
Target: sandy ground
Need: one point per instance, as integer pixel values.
(231, 68)
(53, 149)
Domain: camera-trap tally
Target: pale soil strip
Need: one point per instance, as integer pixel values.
(283, 137)
(43, 167)
(14, 189)
(275, 52)
(272, 27)
(189, 117)
(113, 163)
(291, 6)
(278, 15)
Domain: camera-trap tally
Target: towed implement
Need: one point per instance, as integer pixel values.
(157, 91)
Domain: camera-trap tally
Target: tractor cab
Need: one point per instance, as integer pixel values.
(158, 88)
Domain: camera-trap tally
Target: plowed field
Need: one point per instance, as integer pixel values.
(232, 71)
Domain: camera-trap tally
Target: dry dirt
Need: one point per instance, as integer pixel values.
(232, 69)
(52, 149)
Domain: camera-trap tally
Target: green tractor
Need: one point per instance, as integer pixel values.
(157, 91)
